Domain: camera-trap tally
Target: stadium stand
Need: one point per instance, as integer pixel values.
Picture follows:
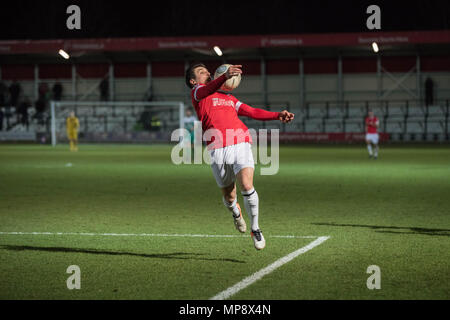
(324, 98)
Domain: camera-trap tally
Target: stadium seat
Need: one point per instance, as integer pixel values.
(396, 137)
(84, 111)
(300, 114)
(314, 125)
(435, 125)
(409, 137)
(354, 125)
(296, 126)
(103, 111)
(317, 111)
(416, 111)
(274, 125)
(435, 111)
(122, 111)
(379, 111)
(335, 112)
(172, 125)
(96, 126)
(357, 112)
(415, 125)
(394, 126)
(334, 125)
(396, 111)
(64, 111)
(115, 124)
(431, 137)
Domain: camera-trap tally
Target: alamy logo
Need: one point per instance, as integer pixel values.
(182, 152)
(74, 20)
(374, 281)
(374, 20)
(74, 281)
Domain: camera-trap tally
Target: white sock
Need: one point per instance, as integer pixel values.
(232, 207)
(376, 150)
(369, 147)
(251, 202)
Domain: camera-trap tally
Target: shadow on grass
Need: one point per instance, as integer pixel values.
(174, 255)
(393, 229)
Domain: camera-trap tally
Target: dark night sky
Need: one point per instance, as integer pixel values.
(45, 19)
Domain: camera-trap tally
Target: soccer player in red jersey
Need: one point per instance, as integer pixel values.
(372, 124)
(229, 141)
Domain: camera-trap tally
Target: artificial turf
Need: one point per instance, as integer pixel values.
(393, 212)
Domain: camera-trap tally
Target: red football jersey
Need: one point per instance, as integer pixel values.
(371, 125)
(219, 110)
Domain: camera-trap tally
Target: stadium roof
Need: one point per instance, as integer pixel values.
(232, 42)
(201, 47)
(31, 19)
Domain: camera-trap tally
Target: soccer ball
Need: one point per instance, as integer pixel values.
(231, 83)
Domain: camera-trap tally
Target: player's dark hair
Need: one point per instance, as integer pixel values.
(190, 72)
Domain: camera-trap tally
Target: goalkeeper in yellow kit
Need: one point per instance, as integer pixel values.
(72, 125)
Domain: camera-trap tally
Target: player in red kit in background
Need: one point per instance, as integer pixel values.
(232, 158)
(372, 124)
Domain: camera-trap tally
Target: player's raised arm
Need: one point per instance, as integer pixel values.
(199, 80)
(214, 85)
(233, 70)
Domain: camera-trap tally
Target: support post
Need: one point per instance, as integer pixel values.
(53, 122)
(36, 81)
(74, 82)
(302, 82)
(111, 82)
(149, 80)
(340, 85)
(418, 80)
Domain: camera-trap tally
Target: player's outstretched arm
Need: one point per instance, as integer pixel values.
(264, 115)
(202, 92)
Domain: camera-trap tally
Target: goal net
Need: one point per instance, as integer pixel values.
(117, 121)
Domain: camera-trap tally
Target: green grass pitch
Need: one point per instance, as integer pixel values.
(393, 212)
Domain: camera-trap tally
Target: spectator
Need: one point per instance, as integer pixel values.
(3, 91)
(22, 111)
(429, 100)
(149, 96)
(44, 91)
(40, 108)
(1, 119)
(8, 114)
(145, 120)
(104, 89)
(14, 92)
(57, 91)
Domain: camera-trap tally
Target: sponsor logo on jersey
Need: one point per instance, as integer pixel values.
(218, 102)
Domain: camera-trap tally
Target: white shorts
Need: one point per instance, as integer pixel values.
(228, 161)
(372, 137)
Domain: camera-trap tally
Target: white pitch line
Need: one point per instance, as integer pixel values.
(147, 235)
(263, 272)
